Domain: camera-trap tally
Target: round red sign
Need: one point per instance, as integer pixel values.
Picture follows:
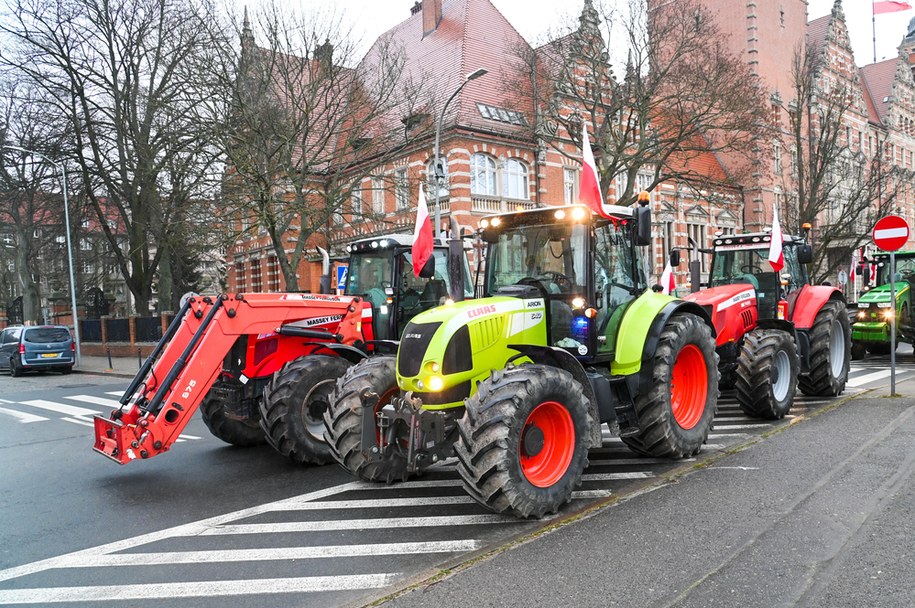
(891, 233)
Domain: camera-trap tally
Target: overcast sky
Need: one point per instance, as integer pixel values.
(533, 18)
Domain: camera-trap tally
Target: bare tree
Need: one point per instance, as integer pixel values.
(31, 203)
(681, 95)
(127, 77)
(841, 192)
(307, 121)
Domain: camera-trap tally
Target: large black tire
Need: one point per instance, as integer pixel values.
(523, 440)
(292, 410)
(241, 433)
(343, 420)
(676, 414)
(880, 348)
(830, 352)
(858, 351)
(767, 370)
(15, 368)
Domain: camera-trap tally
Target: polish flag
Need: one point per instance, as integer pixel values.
(776, 257)
(890, 6)
(589, 187)
(668, 281)
(422, 235)
(852, 272)
(873, 277)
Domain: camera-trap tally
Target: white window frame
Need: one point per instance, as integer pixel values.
(570, 181)
(516, 180)
(377, 195)
(401, 189)
(483, 166)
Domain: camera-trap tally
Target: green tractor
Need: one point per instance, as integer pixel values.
(871, 329)
(517, 385)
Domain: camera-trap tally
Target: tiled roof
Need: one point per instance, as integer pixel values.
(816, 33)
(878, 84)
(472, 34)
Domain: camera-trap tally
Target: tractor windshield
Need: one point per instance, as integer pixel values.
(738, 264)
(905, 269)
(550, 256)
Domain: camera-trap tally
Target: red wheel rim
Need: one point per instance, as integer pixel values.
(689, 387)
(551, 462)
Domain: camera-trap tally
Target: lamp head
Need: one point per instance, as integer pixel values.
(476, 74)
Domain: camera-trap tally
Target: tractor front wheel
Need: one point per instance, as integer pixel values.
(676, 414)
(292, 411)
(858, 351)
(830, 352)
(343, 422)
(523, 440)
(241, 433)
(767, 371)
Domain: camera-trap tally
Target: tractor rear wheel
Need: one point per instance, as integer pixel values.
(523, 440)
(830, 351)
(343, 421)
(767, 371)
(241, 433)
(676, 414)
(292, 411)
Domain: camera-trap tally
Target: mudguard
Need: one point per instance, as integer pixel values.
(641, 328)
(809, 302)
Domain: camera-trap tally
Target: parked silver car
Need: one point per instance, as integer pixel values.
(40, 347)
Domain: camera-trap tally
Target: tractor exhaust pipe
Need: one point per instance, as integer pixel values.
(455, 263)
(324, 281)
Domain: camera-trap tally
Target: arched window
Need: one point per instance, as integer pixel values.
(482, 174)
(515, 180)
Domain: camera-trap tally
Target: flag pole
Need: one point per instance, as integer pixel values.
(874, 29)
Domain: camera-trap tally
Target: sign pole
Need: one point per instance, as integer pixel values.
(893, 324)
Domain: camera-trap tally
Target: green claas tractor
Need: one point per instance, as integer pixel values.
(517, 385)
(871, 329)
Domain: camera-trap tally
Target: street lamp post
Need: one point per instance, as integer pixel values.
(439, 170)
(63, 171)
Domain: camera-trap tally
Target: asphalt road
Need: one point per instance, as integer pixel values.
(212, 525)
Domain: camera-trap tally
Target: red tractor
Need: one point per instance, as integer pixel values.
(775, 332)
(261, 366)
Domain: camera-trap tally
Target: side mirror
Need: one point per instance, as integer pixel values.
(428, 269)
(804, 254)
(643, 226)
(674, 258)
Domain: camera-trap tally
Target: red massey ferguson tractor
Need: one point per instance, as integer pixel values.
(774, 332)
(261, 366)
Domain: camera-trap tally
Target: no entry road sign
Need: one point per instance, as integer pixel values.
(891, 233)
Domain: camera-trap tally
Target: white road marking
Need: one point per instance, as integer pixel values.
(60, 408)
(276, 553)
(22, 417)
(185, 436)
(117, 394)
(591, 494)
(872, 377)
(96, 400)
(381, 523)
(222, 588)
(615, 476)
(635, 461)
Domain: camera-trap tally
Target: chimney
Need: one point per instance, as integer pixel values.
(432, 15)
(417, 6)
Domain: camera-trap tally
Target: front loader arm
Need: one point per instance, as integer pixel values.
(172, 383)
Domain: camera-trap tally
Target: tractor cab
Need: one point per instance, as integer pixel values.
(743, 260)
(381, 271)
(585, 268)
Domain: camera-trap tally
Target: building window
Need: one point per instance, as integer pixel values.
(356, 202)
(444, 187)
(515, 180)
(777, 158)
(87, 268)
(240, 282)
(273, 273)
(256, 284)
(697, 232)
(482, 174)
(377, 195)
(570, 185)
(402, 189)
(667, 240)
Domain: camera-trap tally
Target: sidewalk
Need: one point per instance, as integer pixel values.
(119, 367)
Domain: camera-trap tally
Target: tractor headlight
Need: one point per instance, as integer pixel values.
(436, 383)
(888, 314)
(862, 314)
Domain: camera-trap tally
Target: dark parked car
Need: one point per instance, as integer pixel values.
(41, 347)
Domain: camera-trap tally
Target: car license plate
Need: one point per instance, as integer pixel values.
(49, 355)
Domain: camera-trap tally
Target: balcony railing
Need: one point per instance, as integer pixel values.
(495, 204)
(443, 203)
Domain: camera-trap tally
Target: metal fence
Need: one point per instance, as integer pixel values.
(118, 330)
(90, 330)
(149, 329)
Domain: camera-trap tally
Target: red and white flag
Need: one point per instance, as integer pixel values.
(873, 277)
(589, 186)
(668, 280)
(422, 235)
(853, 271)
(890, 6)
(776, 257)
